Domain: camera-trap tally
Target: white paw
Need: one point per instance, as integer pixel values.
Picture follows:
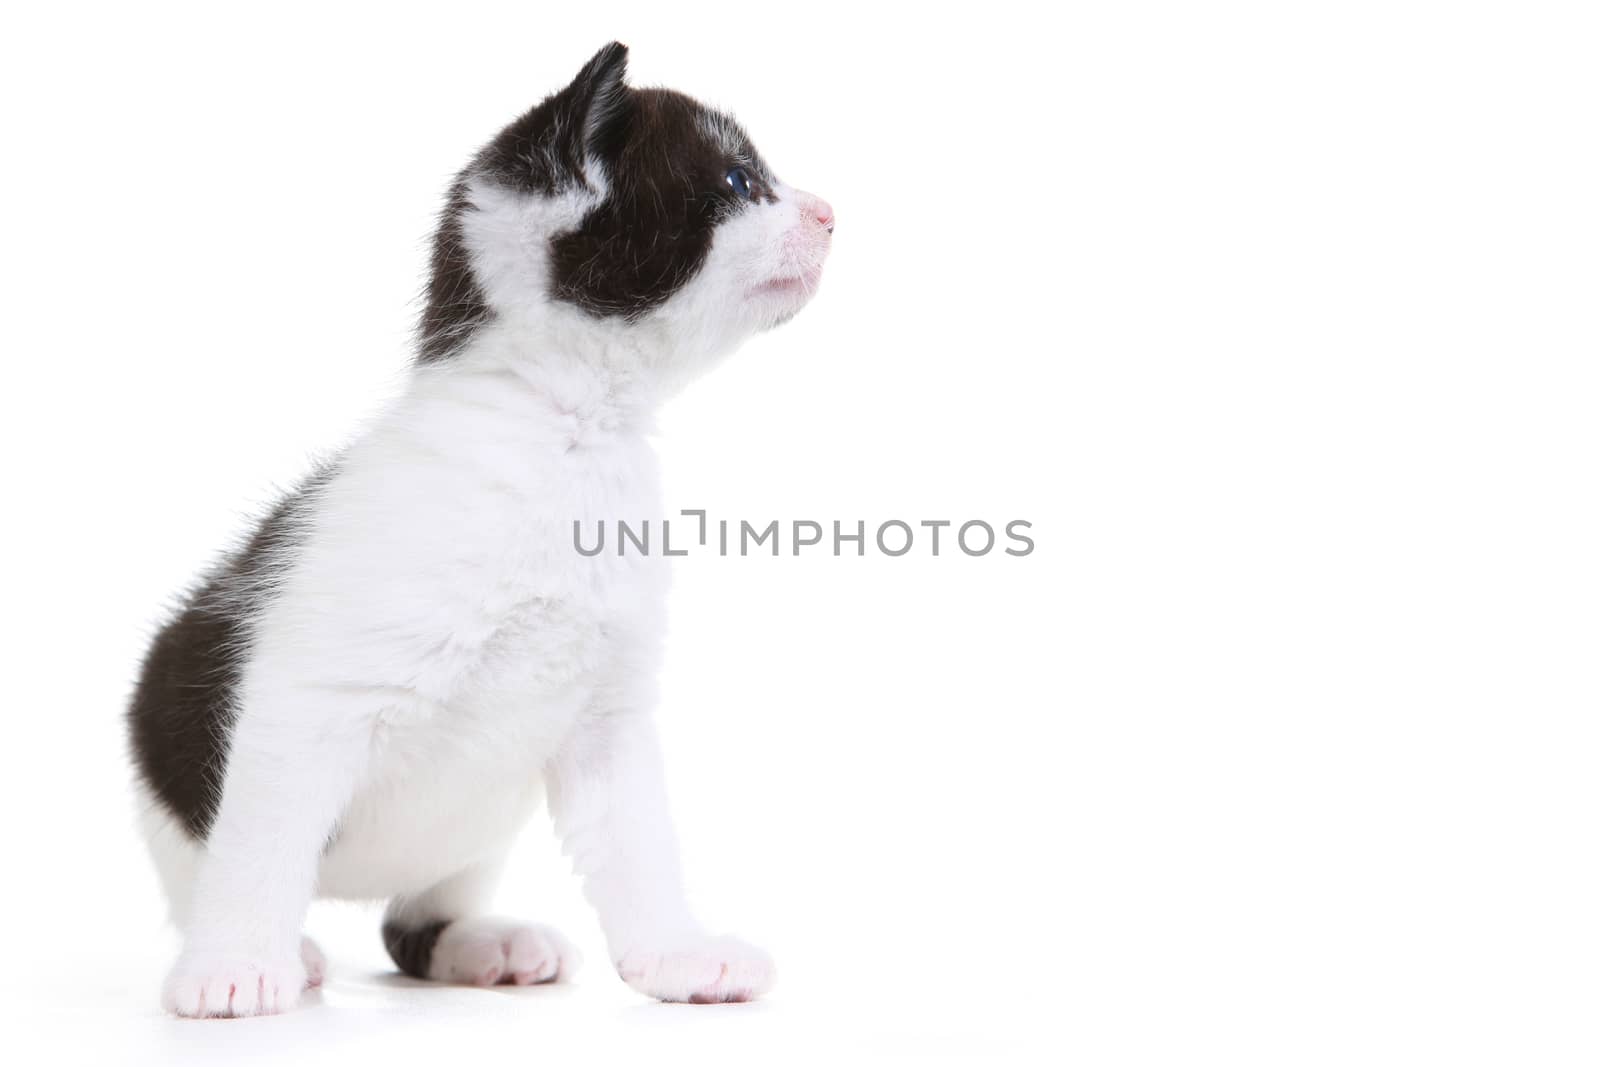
(209, 984)
(489, 951)
(708, 970)
(315, 963)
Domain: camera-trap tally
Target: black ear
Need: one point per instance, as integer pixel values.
(593, 106)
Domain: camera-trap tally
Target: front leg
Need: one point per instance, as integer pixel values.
(293, 760)
(610, 808)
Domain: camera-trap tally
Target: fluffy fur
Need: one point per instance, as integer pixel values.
(374, 694)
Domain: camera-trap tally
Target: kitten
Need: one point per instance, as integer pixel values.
(371, 696)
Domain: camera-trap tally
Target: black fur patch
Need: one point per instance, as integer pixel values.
(456, 305)
(182, 708)
(666, 171)
(411, 947)
(669, 189)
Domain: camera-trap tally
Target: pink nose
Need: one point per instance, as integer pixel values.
(821, 210)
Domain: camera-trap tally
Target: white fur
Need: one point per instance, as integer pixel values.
(484, 950)
(436, 656)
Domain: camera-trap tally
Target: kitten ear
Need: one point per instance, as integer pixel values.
(594, 103)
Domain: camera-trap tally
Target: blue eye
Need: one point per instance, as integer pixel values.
(739, 182)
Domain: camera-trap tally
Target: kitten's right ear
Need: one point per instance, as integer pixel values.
(593, 105)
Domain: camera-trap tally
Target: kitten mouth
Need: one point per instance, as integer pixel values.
(792, 285)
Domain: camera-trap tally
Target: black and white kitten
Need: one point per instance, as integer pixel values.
(369, 699)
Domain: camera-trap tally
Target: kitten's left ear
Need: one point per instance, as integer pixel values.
(594, 103)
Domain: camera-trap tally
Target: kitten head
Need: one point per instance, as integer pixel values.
(637, 219)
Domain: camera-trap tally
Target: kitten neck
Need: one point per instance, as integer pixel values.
(600, 378)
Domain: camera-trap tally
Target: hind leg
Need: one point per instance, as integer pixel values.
(442, 934)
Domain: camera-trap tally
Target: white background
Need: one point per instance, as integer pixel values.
(1278, 322)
